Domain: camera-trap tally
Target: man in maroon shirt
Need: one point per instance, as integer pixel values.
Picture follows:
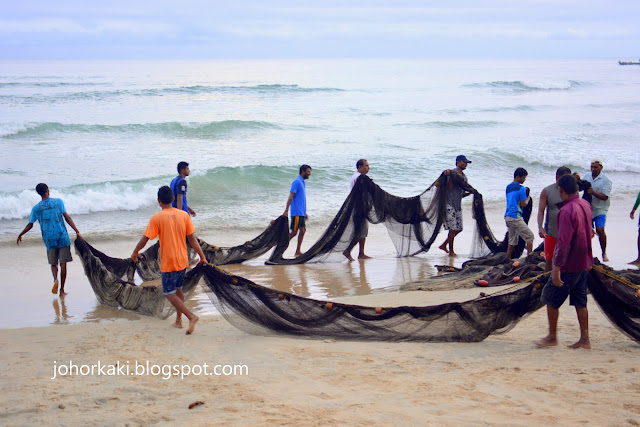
(572, 260)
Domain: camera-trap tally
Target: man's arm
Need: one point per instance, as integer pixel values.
(286, 210)
(604, 195)
(541, 209)
(26, 229)
(135, 256)
(635, 206)
(195, 245)
(67, 218)
(191, 211)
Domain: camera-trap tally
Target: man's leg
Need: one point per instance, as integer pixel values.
(175, 300)
(452, 236)
(602, 236)
(63, 277)
(54, 272)
(361, 243)
(529, 247)
(302, 230)
(637, 260)
(180, 295)
(551, 339)
(509, 251)
(583, 321)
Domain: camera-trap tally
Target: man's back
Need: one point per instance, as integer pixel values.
(171, 226)
(49, 214)
(574, 236)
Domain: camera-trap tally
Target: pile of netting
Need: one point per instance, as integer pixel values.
(413, 223)
(259, 310)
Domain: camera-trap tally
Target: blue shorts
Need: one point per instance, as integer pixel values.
(599, 221)
(172, 281)
(574, 287)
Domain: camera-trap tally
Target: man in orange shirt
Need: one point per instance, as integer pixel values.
(172, 226)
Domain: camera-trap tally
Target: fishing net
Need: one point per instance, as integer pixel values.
(259, 310)
(413, 223)
(616, 292)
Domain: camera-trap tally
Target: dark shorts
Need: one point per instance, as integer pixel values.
(172, 281)
(60, 255)
(297, 222)
(574, 287)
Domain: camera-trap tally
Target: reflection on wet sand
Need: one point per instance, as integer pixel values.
(338, 280)
(62, 318)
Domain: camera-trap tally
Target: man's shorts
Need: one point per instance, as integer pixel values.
(453, 219)
(599, 221)
(549, 247)
(575, 286)
(364, 230)
(518, 228)
(297, 222)
(172, 281)
(60, 255)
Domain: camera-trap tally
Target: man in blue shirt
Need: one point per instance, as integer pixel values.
(600, 190)
(298, 203)
(50, 212)
(517, 199)
(179, 188)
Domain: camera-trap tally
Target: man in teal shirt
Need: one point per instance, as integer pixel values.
(51, 214)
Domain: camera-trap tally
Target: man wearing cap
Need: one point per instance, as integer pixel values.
(600, 190)
(455, 193)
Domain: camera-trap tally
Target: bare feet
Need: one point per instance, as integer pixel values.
(348, 256)
(62, 292)
(582, 343)
(363, 256)
(178, 324)
(192, 324)
(298, 254)
(605, 258)
(547, 342)
(444, 247)
(452, 254)
(54, 290)
(636, 262)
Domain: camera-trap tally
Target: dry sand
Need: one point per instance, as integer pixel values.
(503, 380)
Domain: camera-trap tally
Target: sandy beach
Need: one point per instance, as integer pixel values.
(504, 380)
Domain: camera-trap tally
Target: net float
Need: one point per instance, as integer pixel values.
(516, 278)
(638, 293)
(537, 286)
(378, 310)
(485, 303)
(234, 281)
(516, 264)
(483, 282)
(329, 305)
(280, 297)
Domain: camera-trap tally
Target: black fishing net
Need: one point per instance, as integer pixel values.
(259, 310)
(616, 292)
(413, 223)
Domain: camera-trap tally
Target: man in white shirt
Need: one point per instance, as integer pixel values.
(600, 190)
(361, 235)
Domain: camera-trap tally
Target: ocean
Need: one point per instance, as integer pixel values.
(104, 135)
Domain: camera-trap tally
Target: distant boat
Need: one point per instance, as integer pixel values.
(628, 63)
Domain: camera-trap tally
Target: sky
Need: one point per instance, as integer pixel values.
(199, 29)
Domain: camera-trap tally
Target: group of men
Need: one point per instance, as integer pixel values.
(564, 221)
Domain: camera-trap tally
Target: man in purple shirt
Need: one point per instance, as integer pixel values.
(572, 260)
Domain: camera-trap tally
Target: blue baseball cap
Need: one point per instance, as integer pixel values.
(463, 158)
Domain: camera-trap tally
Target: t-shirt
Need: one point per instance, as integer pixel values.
(299, 202)
(179, 188)
(601, 184)
(54, 233)
(454, 197)
(515, 194)
(172, 226)
(354, 178)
